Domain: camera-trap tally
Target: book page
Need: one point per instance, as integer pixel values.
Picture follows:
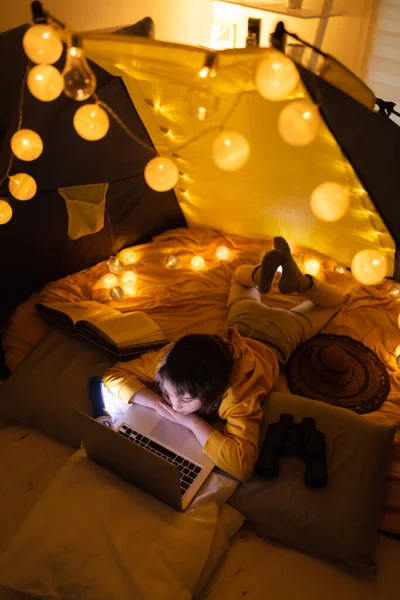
(126, 329)
(87, 309)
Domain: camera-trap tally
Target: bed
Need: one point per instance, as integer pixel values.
(183, 300)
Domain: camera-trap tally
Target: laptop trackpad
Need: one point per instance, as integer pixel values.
(171, 434)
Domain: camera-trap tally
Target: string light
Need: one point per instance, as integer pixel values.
(117, 293)
(79, 79)
(114, 265)
(197, 263)
(312, 266)
(340, 269)
(45, 82)
(222, 253)
(26, 144)
(394, 291)
(22, 186)
(161, 174)
(91, 122)
(108, 281)
(203, 104)
(42, 44)
(130, 289)
(298, 123)
(230, 150)
(5, 212)
(276, 76)
(129, 257)
(330, 201)
(129, 278)
(369, 267)
(172, 261)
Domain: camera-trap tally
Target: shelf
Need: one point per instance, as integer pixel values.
(281, 9)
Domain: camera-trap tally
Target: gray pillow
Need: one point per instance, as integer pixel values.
(339, 522)
(51, 381)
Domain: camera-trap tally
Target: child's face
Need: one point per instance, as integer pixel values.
(184, 404)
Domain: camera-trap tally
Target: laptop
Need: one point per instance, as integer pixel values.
(160, 457)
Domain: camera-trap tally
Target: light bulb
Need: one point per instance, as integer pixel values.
(79, 79)
(5, 212)
(129, 257)
(91, 122)
(26, 144)
(22, 186)
(330, 201)
(42, 44)
(340, 269)
(298, 123)
(114, 265)
(45, 82)
(130, 289)
(222, 253)
(369, 267)
(197, 263)
(276, 76)
(394, 291)
(108, 281)
(117, 293)
(129, 277)
(312, 266)
(161, 174)
(230, 150)
(172, 261)
(203, 104)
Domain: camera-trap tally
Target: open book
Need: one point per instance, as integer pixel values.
(122, 334)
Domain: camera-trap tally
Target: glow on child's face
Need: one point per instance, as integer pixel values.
(184, 404)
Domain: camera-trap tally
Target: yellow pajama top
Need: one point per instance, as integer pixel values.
(255, 372)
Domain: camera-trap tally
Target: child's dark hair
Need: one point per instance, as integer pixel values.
(199, 365)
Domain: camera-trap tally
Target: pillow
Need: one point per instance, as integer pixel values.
(93, 535)
(339, 522)
(51, 381)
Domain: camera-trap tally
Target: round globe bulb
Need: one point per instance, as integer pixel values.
(222, 253)
(26, 144)
(312, 266)
(129, 277)
(369, 267)
(276, 76)
(129, 257)
(45, 82)
(22, 186)
(130, 289)
(172, 261)
(114, 265)
(5, 212)
(197, 263)
(203, 104)
(394, 291)
(91, 122)
(161, 174)
(298, 123)
(117, 293)
(330, 201)
(230, 150)
(340, 269)
(108, 281)
(42, 44)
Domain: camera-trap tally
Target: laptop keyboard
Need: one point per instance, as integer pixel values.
(188, 471)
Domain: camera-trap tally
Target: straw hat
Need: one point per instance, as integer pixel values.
(338, 370)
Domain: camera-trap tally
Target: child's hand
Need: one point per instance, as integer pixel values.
(162, 409)
(178, 417)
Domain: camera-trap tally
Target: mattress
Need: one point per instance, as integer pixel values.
(183, 300)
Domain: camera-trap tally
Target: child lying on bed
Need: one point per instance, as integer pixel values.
(232, 374)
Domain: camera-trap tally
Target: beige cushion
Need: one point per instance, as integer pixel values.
(339, 522)
(52, 381)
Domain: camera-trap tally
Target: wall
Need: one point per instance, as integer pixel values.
(183, 21)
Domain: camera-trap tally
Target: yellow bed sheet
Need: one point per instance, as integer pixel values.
(182, 300)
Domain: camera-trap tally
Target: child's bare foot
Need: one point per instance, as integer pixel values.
(264, 274)
(292, 279)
